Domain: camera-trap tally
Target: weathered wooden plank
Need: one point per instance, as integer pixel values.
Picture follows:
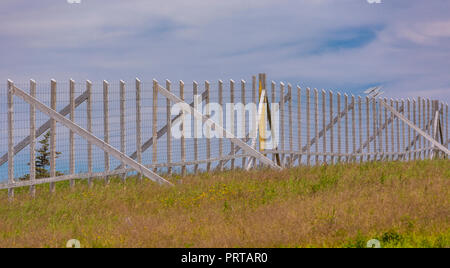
(346, 127)
(360, 125)
(258, 119)
(243, 125)
(339, 148)
(419, 123)
(221, 166)
(316, 123)
(353, 128)
(10, 93)
(155, 123)
(169, 128)
(332, 127)
(32, 139)
(367, 126)
(232, 151)
(409, 129)
(414, 122)
(106, 126)
(403, 146)
(183, 140)
(291, 141)
(324, 119)
(123, 133)
(299, 122)
(386, 135)
(446, 126)
(308, 126)
(138, 124)
(53, 135)
(282, 126)
(375, 128)
(89, 128)
(397, 127)
(208, 133)
(71, 134)
(273, 87)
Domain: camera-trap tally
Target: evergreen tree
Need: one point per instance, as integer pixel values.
(43, 159)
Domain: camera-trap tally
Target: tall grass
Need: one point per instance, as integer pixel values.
(400, 204)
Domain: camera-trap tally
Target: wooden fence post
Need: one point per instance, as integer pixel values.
(291, 142)
(106, 125)
(331, 128)
(415, 123)
(89, 129)
(71, 134)
(361, 158)
(446, 126)
(10, 138)
(403, 146)
(324, 118)
(208, 134)
(308, 125)
(273, 86)
(299, 123)
(155, 124)
(397, 127)
(368, 126)
(243, 101)
(32, 139)
(316, 124)
(419, 123)
(346, 128)
(122, 125)
(353, 128)
(430, 130)
(169, 130)
(375, 128)
(386, 138)
(409, 128)
(255, 101)
(221, 119)
(138, 125)
(339, 126)
(282, 148)
(232, 152)
(182, 140)
(196, 131)
(53, 136)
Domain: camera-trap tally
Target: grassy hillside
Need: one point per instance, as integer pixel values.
(400, 204)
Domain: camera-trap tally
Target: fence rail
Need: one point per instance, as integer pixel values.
(114, 129)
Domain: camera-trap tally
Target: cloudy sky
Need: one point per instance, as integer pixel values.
(345, 45)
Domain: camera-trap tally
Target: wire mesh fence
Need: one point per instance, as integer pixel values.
(307, 127)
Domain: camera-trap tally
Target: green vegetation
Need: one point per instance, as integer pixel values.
(43, 159)
(400, 204)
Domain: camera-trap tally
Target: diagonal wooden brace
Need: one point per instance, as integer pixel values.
(379, 132)
(42, 129)
(322, 132)
(243, 145)
(106, 147)
(416, 128)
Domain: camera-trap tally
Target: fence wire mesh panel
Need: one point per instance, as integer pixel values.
(76, 130)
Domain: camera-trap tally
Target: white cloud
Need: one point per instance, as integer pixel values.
(229, 39)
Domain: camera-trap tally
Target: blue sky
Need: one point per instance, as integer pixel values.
(344, 45)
